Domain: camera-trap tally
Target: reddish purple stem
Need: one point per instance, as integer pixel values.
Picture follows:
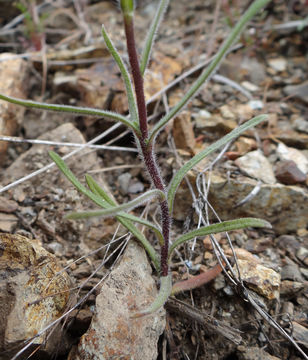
(138, 79)
(147, 149)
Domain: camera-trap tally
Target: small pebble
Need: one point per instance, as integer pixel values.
(291, 272)
(288, 173)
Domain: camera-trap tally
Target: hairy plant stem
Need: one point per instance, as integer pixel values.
(138, 79)
(147, 148)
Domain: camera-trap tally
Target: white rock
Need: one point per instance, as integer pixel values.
(278, 64)
(256, 104)
(250, 86)
(289, 153)
(256, 165)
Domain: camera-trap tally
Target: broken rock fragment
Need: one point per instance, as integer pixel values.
(288, 173)
(256, 165)
(259, 278)
(33, 293)
(13, 75)
(114, 333)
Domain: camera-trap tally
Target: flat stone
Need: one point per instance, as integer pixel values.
(113, 333)
(8, 222)
(285, 207)
(256, 165)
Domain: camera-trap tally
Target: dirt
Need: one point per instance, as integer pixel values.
(271, 61)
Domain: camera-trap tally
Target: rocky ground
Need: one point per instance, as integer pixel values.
(82, 268)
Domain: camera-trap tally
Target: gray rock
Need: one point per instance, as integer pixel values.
(255, 164)
(124, 180)
(289, 243)
(300, 91)
(301, 124)
(291, 272)
(136, 187)
(302, 254)
(285, 207)
(113, 333)
(300, 333)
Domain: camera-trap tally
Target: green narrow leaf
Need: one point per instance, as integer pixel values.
(128, 84)
(151, 35)
(115, 210)
(124, 219)
(219, 227)
(72, 110)
(205, 75)
(96, 189)
(178, 177)
(161, 298)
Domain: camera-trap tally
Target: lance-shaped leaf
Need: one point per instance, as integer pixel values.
(72, 110)
(178, 177)
(219, 227)
(128, 84)
(124, 219)
(161, 298)
(96, 189)
(254, 8)
(116, 210)
(151, 34)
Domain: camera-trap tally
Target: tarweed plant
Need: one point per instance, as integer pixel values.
(145, 136)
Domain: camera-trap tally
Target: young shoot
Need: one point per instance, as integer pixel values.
(137, 122)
